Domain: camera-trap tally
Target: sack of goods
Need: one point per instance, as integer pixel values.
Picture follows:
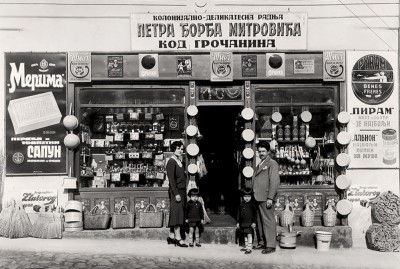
(49, 225)
(14, 222)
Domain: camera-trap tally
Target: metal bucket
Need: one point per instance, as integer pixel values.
(288, 239)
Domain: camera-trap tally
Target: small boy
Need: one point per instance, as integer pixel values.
(194, 216)
(247, 219)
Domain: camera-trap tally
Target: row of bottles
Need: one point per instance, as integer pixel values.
(294, 132)
(287, 216)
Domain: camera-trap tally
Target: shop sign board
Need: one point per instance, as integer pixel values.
(358, 193)
(79, 66)
(221, 66)
(35, 96)
(219, 31)
(34, 200)
(334, 62)
(372, 95)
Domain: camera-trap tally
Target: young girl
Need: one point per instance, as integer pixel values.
(194, 216)
(247, 219)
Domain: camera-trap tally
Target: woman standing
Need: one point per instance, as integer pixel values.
(177, 194)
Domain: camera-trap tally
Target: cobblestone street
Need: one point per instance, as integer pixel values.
(27, 253)
(37, 260)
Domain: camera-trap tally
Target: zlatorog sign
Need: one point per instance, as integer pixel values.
(225, 31)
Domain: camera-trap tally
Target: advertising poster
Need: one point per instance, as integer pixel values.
(221, 66)
(303, 66)
(275, 65)
(184, 66)
(334, 62)
(115, 66)
(79, 66)
(148, 65)
(34, 200)
(372, 94)
(35, 105)
(358, 193)
(249, 65)
(219, 31)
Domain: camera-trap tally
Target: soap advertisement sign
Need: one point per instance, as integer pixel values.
(35, 105)
(372, 83)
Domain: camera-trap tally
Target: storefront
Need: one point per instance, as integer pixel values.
(128, 121)
(220, 95)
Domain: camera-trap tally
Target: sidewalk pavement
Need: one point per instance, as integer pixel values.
(301, 257)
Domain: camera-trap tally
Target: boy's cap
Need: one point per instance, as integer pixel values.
(193, 191)
(247, 191)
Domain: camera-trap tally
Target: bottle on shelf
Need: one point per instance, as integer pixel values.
(295, 130)
(287, 132)
(279, 132)
(266, 129)
(302, 132)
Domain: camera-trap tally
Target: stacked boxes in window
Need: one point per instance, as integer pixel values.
(73, 216)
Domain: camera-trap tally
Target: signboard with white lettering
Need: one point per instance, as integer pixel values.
(219, 31)
(36, 103)
(372, 95)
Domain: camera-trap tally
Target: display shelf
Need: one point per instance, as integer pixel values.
(296, 175)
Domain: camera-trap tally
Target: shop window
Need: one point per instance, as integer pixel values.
(292, 119)
(125, 143)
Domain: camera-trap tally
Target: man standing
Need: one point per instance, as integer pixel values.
(265, 185)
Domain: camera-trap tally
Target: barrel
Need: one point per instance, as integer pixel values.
(73, 216)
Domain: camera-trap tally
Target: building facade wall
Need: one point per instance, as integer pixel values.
(60, 26)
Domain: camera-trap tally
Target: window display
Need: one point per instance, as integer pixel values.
(127, 146)
(301, 133)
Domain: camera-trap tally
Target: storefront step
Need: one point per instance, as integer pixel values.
(341, 238)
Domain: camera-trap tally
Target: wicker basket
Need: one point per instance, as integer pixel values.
(96, 219)
(307, 217)
(329, 216)
(123, 218)
(149, 219)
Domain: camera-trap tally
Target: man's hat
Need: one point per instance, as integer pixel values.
(247, 191)
(193, 191)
